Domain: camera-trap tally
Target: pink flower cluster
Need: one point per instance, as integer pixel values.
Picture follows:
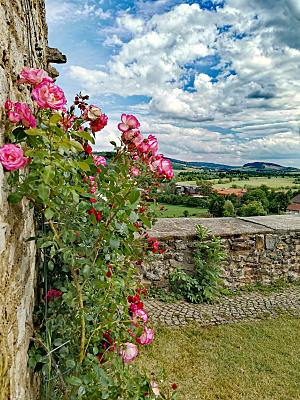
(95, 117)
(144, 148)
(12, 157)
(139, 318)
(46, 94)
(20, 112)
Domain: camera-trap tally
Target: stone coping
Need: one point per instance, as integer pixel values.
(181, 228)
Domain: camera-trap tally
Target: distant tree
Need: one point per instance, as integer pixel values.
(228, 209)
(278, 202)
(205, 187)
(252, 208)
(259, 194)
(216, 205)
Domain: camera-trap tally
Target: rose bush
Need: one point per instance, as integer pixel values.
(92, 214)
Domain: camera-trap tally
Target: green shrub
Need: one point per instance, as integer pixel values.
(204, 284)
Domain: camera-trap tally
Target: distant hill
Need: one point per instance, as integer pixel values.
(258, 166)
(263, 165)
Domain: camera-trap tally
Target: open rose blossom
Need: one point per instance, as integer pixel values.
(128, 122)
(139, 314)
(146, 337)
(99, 123)
(12, 157)
(20, 112)
(33, 76)
(49, 95)
(128, 352)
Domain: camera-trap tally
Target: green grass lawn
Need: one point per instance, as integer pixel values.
(247, 361)
(177, 211)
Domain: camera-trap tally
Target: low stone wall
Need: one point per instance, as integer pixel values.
(259, 249)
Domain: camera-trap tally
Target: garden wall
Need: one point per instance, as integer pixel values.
(23, 41)
(259, 249)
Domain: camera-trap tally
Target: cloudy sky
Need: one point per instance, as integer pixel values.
(215, 81)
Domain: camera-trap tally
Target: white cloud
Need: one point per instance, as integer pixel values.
(256, 93)
(58, 11)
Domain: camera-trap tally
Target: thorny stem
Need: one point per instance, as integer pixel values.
(53, 362)
(82, 319)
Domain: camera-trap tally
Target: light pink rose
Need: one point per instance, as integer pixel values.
(137, 139)
(146, 337)
(162, 166)
(155, 388)
(128, 352)
(91, 113)
(33, 76)
(153, 145)
(99, 160)
(135, 171)
(12, 157)
(20, 112)
(139, 314)
(49, 95)
(128, 122)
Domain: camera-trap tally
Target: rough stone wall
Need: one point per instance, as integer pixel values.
(23, 41)
(259, 249)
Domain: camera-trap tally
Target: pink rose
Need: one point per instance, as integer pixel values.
(146, 337)
(92, 113)
(98, 124)
(153, 145)
(161, 166)
(12, 157)
(137, 313)
(128, 122)
(128, 352)
(135, 171)
(155, 388)
(49, 95)
(99, 160)
(33, 76)
(20, 112)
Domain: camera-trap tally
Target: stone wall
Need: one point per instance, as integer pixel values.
(23, 41)
(259, 249)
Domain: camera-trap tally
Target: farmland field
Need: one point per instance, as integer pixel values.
(178, 210)
(274, 182)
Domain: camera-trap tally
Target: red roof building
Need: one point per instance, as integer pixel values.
(227, 192)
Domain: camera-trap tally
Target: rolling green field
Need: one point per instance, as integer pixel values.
(177, 211)
(273, 182)
(246, 361)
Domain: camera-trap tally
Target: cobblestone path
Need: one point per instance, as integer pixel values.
(245, 307)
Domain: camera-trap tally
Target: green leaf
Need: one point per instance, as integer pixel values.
(49, 213)
(134, 196)
(35, 132)
(54, 119)
(84, 166)
(73, 380)
(14, 198)
(48, 174)
(75, 196)
(76, 145)
(43, 192)
(84, 135)
(114, 243)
